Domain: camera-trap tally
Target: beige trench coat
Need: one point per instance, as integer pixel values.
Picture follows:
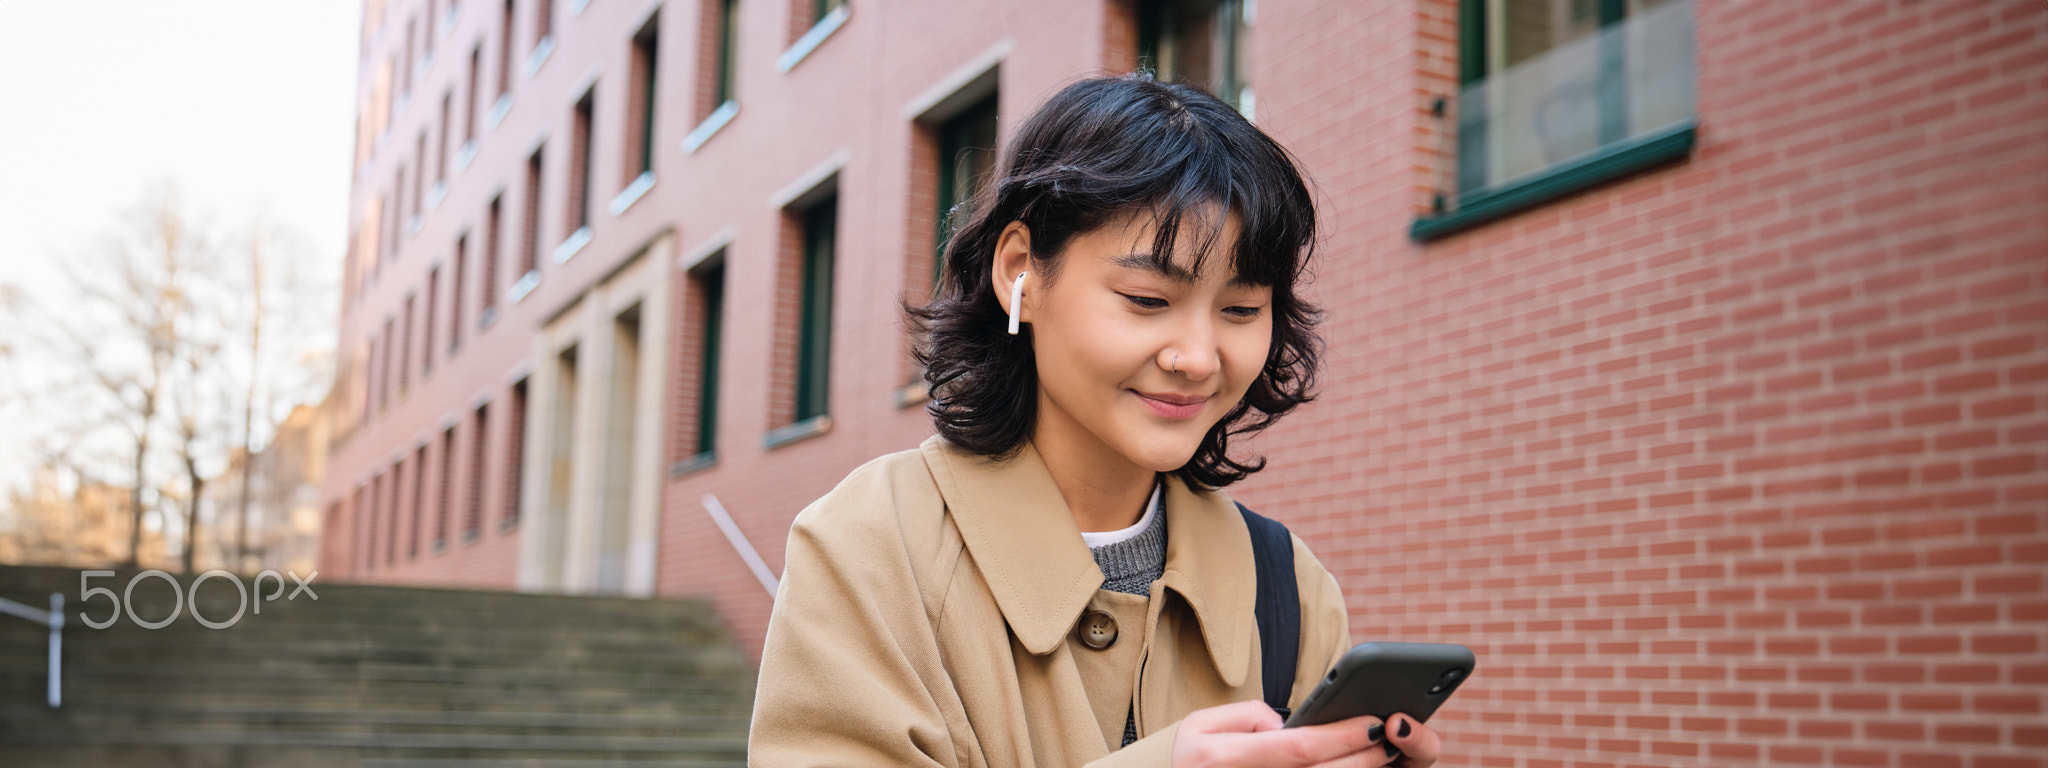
(928, 616)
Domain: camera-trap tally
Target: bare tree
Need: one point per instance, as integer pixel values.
(125, 343)
(139, 366)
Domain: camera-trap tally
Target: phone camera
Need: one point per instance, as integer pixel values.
(1453, 675)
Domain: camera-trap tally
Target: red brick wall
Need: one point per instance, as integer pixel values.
(1733, 462)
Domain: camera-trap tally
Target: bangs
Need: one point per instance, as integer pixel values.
(1161, 152)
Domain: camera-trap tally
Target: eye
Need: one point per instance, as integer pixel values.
(1140, 301)
(1248, 313)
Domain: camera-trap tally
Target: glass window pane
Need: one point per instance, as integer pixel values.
(1559, 85)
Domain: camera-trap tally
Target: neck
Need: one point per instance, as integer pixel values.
(1104, 490)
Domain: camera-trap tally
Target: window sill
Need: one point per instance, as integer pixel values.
(436, 193)
(463, 155)
(705, 130)
(632, 193)
(1585, 172)
(508, 524)
(572, 244)
(576, 7)
(498, 110)
(470, 537)
(524, 286)
(413, 224)
(912, 394)
(440, 546)
(803, 46)
(808, 428)
(540, 54)
(486, 319)
(693, 464)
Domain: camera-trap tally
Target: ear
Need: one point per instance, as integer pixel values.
(1013, 255)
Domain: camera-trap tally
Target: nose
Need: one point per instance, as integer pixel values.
(1193, 354)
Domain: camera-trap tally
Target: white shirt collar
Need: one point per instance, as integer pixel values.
(1106, 538)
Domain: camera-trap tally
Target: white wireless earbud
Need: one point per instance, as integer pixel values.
(1016, 295)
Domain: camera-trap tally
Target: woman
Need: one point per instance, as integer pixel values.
(1055, 578)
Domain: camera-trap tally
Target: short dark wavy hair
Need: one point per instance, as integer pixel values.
(1099, 148)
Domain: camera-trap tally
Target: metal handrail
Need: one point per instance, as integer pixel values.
(739, 542)
(54, 619)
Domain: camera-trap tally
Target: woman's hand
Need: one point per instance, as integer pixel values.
(1248, 733)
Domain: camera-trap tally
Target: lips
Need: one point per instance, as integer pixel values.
(1165, 408)
(1173, 399)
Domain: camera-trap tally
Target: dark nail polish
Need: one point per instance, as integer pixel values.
(1376, 732)
(1393, 751)
(1404, 728)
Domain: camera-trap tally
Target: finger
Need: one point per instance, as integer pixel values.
(1315, 744)
(1418, 742)
(1238, 717)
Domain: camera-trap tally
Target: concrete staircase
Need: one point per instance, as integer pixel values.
(371, 676)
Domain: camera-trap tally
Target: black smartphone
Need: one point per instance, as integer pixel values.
(1382, 678)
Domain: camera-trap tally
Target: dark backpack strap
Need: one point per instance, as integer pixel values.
(1278, 606)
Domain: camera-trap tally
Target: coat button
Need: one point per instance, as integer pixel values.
(1098, 629)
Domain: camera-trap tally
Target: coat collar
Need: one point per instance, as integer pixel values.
(1023, 538)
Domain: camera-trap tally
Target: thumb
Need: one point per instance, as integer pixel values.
(1236, 717)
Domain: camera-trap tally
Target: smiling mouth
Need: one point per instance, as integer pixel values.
(1171, 410)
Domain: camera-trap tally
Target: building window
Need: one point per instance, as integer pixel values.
(384, 366)
(967, 155)
(1556, 96)
(363, 525)
(822, 8)
(441, 147)
(529, 222)
(579, 160)
(473, 504)
(372, 520)
(493, 255)
(641, 95)
(543, 22)
(705, 317)
(814, 345)
(366, 371)
(515, 455)
(476, 62)
(447, 458)
(418, 179)
(718, 65)
(405, 350)
(455, 293)
(728, 51)
(1199, 42)
(505, 52)
(405, 61)
(811, 22)
(427, 330)
(393, 513)
(418, 512)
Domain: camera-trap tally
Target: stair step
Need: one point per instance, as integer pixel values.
(367, 675)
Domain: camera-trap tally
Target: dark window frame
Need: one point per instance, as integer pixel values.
(1618, 156)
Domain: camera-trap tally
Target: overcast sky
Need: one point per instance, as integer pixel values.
(248, 106)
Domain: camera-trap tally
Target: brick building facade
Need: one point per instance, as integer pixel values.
(1688, 360)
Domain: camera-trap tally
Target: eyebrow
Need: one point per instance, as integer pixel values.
(1144, 262)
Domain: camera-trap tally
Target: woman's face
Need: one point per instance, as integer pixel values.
(1111, 331)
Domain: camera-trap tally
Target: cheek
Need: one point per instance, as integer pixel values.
(1247, 355)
